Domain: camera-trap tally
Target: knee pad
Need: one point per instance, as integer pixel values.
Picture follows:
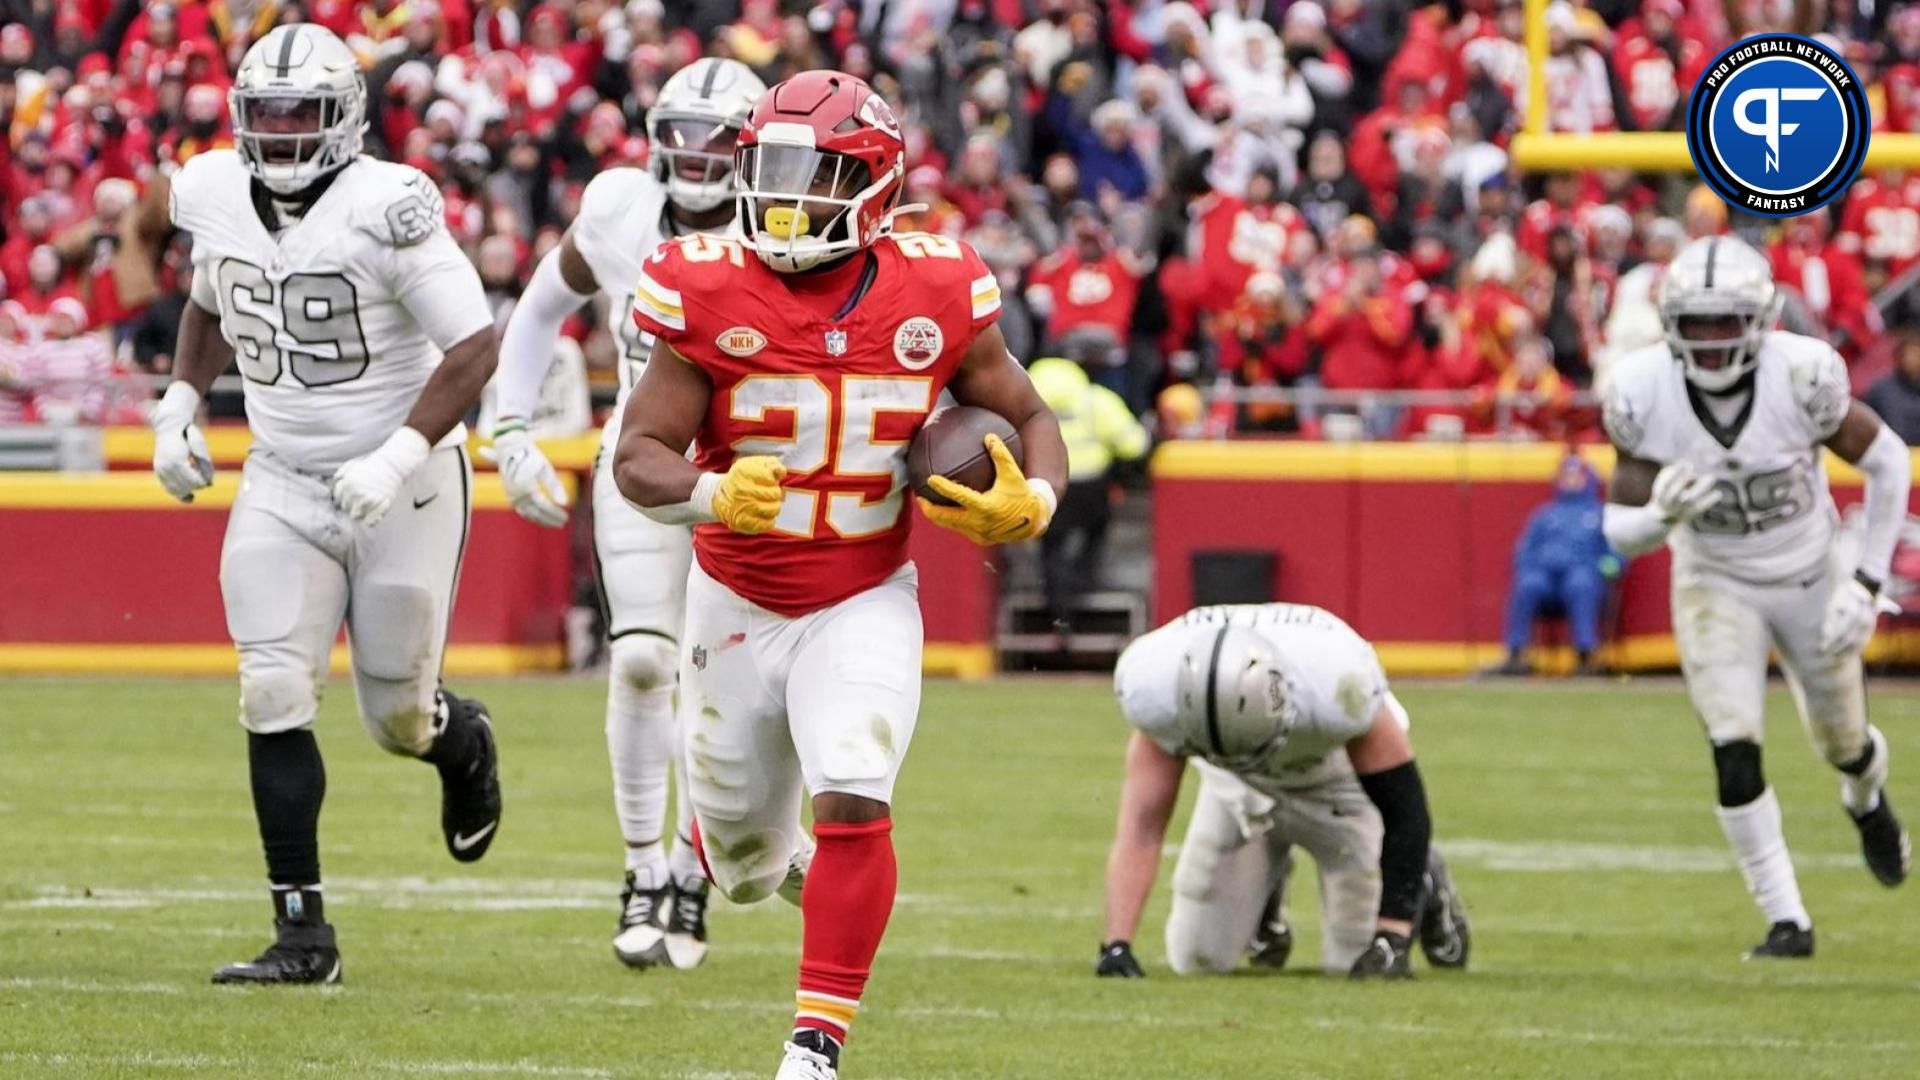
(398, 715)
(748, 867)
(643, 663)
(1737, 765)
(277, 699)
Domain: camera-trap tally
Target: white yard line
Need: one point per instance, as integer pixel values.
(202, 1063)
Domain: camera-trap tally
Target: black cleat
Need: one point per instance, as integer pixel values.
(1273, 941)
(470, 781)
(687, 925)
(1389, 957)
(1446, 934)
(301, 954)
(1784, 940)
(641, 941)
(1885, 844)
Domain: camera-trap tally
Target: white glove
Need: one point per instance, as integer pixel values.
(180, 459)
(366, 486)
(528, 477)
(1852, 613)
(1680, 496)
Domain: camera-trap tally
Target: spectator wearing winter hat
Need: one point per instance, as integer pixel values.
(1579, 87)
(46, 282)
(1261, 342)
(91, 246)
(70, 371)
(1361, 330)
(1324, 66)
(1102, 148)
(1232, 238)
(1657, 62)
(203, 125)
(30, 228)
(1086, 291)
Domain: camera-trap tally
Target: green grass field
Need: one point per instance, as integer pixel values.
(1608, 919)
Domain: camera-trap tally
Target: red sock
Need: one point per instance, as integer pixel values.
(848, 897)
(700, 850)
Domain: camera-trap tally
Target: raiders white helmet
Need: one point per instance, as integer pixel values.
(1233, 705)
(1717, 301)
(692, 127)
(299, 106)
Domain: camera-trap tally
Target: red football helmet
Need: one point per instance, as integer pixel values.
(820, 166)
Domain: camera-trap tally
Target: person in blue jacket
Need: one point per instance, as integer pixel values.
(1562, 562)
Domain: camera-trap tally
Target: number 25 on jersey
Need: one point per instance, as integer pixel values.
(847, 444)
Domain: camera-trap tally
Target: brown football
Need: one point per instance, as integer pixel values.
(953, 445)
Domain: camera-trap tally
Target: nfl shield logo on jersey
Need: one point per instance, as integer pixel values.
(836, 342)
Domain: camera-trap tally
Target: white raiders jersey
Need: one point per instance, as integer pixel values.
(1335, 687)
(1775, 520)
(338, 321)
(623, 218)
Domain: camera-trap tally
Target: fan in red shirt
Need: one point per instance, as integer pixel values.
(1657, 63)
(1563, 206)
(1090, 286)
(1829, 281)
(1882, 220)
(1362, 330)
(1234, 238)
(799, 363)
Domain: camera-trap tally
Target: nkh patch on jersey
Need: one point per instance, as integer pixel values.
(835, 390)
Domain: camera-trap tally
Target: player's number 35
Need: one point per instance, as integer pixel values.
(857, 453)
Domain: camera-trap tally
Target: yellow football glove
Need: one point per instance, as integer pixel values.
(1013, 509)
(748, 496)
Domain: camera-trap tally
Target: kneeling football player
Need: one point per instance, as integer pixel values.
(1298, 742)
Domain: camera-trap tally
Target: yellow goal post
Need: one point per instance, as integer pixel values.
(1535, 149)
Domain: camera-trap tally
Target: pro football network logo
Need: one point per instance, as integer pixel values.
(1778, 125)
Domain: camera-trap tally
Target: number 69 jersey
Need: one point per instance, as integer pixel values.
(337, 321)
(835, 396)
(1775, 520)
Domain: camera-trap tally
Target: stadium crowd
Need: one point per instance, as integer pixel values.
(1181, 196)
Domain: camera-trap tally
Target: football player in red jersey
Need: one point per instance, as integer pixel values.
(799, 363)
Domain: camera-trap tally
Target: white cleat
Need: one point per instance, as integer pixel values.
(796, 881)
(641, 941)
(686, 936)
(803, 1064)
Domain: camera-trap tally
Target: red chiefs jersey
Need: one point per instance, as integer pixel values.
(1232, 240)
(836, 398)
(1647, 72)
(1100, 293)
(1882, 221)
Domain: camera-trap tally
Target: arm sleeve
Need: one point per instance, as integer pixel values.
(526, 349)
(1633, 530)
(1887, 468)
(1406, 834)
(440, 289)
